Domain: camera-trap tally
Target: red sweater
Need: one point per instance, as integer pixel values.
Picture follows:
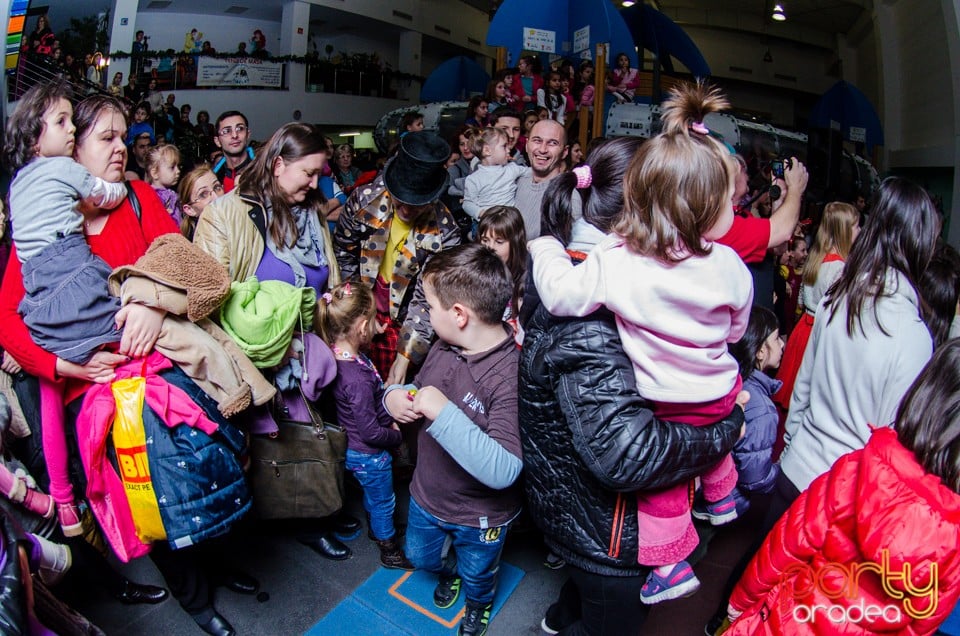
(121, 242)
(875, 504)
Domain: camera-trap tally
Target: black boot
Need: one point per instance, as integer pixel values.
(326, 545)
(392, 556)
(345, 526)
(216, 625)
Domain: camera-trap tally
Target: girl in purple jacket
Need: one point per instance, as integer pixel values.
(346, 319)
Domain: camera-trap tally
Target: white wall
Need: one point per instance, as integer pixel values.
(168, 30)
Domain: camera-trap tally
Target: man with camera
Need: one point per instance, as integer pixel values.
(751, 236)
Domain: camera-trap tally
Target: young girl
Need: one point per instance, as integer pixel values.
(495, 180)
(530, 118)
(679, 298)
(497, 95)
(757, 352)
(501, 229)
(198, 188)
(163, 172)
(346, 319)
(838, 228)
(59, 270)
(881, 513)
(551, 97)
(623, 81)
(476, 112)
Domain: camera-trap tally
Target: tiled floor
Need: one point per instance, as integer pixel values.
(302, 587)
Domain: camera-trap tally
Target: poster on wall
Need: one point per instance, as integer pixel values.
(539, 40)
(239, 71)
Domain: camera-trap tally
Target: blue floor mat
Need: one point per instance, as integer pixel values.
(397, 602)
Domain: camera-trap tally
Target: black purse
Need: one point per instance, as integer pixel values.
(298, 473)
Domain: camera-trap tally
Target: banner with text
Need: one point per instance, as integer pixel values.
(239, 71)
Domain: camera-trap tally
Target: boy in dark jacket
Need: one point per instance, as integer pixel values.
(464, 487)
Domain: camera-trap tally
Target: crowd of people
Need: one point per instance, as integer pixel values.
(505, 313)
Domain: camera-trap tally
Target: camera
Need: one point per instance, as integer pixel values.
(777, 166)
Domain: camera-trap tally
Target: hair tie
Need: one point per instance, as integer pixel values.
(584, 176)
(698, 127)
(346, 289)
(328, 297)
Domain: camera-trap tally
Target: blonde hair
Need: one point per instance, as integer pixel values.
(157, 155)
(339, 309)
(835, 234)
(680, 181)
(188, 224)
(486, 137)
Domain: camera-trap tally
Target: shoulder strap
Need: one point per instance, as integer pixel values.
(134, 201)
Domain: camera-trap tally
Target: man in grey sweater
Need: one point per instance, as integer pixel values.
(546, 149)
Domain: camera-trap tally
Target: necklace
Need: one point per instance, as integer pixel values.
(359, 358)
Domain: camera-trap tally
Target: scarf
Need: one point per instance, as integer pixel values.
(308, 249)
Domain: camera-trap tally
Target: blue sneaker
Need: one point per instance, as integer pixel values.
(679, 583)
(717, 513)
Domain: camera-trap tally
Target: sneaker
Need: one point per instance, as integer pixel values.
(679, 583)
(69, 517)
(55, 560)
(476, 618)
(553, 561)
(546, 628)
(446, 592)
(717, 513)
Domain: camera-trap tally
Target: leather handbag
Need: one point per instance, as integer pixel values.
(298, 473)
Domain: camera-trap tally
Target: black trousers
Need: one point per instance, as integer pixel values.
(598, 605)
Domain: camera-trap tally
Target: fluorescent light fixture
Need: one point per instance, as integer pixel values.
(628, 3)
(351, 134)
(778, 13)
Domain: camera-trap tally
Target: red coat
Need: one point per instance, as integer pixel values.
(517, 89)
(875, 503)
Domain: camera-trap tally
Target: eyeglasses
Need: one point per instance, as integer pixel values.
(226, 131)
(206, 193)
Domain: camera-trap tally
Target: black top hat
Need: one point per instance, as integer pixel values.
(418, 174)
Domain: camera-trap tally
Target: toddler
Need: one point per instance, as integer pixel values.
(495, 180)
(346, 317)
(679, 298)
(162, 173)
(66, 306)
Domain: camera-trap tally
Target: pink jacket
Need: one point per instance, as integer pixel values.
(625, 83)
(105, 491)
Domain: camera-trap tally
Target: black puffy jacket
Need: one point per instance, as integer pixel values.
(590, 441)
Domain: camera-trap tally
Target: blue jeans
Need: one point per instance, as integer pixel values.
(375, 476)
(478, 551)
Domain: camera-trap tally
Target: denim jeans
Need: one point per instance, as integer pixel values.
(478, 551)
(375, 476)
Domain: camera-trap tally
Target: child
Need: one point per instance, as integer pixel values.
(163, 172)
(477, 111)
(410, 122)
(501, 229)
(141, 124)
(196, 190)
(59, 270)
(551, 97)
(569, 104)
(757, 352)
(465, 486)
(790, 277)
(346, 319)
(880, 513)
(495, 180)
(839, 227)
(679, 298)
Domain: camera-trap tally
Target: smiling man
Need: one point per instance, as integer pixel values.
(232, 136)
(546, 150)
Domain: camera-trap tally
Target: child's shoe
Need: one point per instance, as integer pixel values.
(717, 513)
(447, 591)
(392, 556)
(39, 503)
(476, 618)
(55, 560)
(680, 582)
(69, 517)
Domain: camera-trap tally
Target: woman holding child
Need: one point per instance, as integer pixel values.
(120, 237)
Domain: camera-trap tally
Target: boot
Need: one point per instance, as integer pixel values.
(392, 556)
(16, 490)
(69, 517)
(55, 560)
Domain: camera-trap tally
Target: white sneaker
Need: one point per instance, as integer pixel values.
(55, 560)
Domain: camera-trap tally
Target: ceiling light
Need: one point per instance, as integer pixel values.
(628, 3)
(778, 13)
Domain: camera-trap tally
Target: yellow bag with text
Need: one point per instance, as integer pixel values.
(130, 443)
